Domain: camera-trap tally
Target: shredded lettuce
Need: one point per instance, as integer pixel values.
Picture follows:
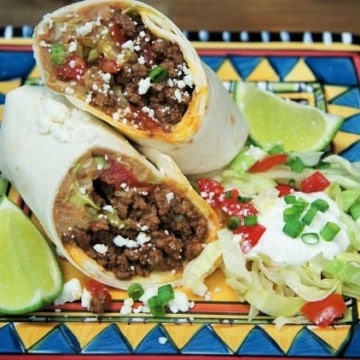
(281, 290)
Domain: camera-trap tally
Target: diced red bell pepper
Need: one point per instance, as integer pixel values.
(314, 182)
(325, 311)
(268, 162)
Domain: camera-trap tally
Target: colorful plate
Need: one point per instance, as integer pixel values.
(319, 69)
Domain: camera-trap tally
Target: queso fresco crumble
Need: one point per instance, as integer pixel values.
(107, 57)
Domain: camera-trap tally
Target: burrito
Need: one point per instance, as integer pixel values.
(129, 65)
(112, 213)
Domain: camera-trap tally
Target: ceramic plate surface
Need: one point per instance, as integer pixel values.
(319, 69)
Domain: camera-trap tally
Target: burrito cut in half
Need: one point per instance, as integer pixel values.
(112, 213)
(129, 65)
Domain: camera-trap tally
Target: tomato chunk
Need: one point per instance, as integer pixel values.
(284, 189)
(117, 33)
(100, 296)
(144, 120)
(73, 69)
(109, 65)
(251, 236)
(117, 174)
(314, 182)
(325, 311)
(211, 190)
(268, 162)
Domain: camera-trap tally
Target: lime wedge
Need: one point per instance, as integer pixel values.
(30, 275)
(275, 121)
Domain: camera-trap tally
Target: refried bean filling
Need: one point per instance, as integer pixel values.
(126, 225)
(119, 66)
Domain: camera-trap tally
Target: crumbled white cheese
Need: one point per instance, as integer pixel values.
(141, 60)
(142, 238)
(71, 291)
(163, 340)
(179, 303)
(72, 46)
(108, 208)
(69, 91)
(85, 29)
(86, 299)
(178, 95)
(125, 242)
(128, 45)
(169, 197)
(101, 248)
(47, 19)
(126, 308)
(144, 85)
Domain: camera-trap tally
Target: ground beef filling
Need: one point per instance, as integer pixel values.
(116, 79)
(159, 231)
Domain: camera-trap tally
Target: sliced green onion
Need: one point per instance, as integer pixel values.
(296, 164)
(276, 149)
(165, 294)
(135, 291)
(309, 215)
(290, 199)
(243, 199)
(292, 213)
(321, 205)
(156, 308)
(250, 220)
(329, 231)
(58, 54)
(228, 194)
(233, 222)
(354, 210)
(323, 165)
(310, 238)
(158, 74)
(3, 185)
(293, 228)
(301, 203)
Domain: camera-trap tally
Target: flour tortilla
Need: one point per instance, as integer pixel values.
(42, 136)
(211, 132)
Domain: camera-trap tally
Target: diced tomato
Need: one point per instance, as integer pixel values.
(117, 33)
(141, 118)
(73, 69)
(315, 182)
(251, 236)
(108, 65)
(284, 189)
(233, 207)
(324, 312)
(211, 190)
(117, 174)
(100, 296)
(268, 162)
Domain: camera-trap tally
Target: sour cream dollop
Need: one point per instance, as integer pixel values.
(283, 249)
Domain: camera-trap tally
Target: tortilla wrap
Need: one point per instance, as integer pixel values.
(48, 152)
(210, 131)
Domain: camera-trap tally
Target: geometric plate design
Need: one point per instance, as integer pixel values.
(323, 76)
